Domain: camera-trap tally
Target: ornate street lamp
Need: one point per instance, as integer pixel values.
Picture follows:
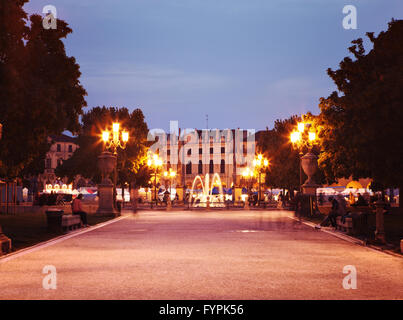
(155, 162)
(118, 139)
(305, 136)
(260, 164)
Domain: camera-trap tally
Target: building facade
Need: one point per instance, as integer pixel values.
(62, 148)
(199, 152)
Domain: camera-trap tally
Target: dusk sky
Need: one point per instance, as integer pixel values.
(245, 63)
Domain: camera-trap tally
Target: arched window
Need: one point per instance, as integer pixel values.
(222, 166)
(200, 168)
(189, 168)
(211, 167)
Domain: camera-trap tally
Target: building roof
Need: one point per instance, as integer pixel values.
(63, 138)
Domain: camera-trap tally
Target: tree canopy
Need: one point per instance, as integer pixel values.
(362, 123)
(131, 160)
(40, 91)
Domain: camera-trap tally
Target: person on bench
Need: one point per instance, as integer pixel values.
(331, 217)
(77, 208)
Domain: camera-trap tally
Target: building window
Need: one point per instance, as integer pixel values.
(211, 151)
(48, 163)
(58, 148)
(200, 151)
(168, 152)
(189, 152)
(222, 166)
(168, 165)
(70, 148)
(200, 167)
(189, 168)
(211, 167)
(222, 149)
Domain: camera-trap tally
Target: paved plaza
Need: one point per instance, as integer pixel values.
(202, 255)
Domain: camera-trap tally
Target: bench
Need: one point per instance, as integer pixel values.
(355, 224)
(70, 222)
(347, 226)
(60, 222)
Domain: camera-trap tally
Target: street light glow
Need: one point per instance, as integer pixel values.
(115, 127)
(301, 127)
(125, 136)
(312, 136)
(295, 136)
(105, 136)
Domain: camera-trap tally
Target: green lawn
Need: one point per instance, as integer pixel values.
(393, 225)
(28, 229)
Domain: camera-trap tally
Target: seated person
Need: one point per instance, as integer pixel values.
(331, 217)
(361, 201)
(77, 208)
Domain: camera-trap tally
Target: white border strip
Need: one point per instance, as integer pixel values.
(56, 240)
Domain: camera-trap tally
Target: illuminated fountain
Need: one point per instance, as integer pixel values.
(206, 197)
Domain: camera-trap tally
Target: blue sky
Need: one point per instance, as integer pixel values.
(245, 63)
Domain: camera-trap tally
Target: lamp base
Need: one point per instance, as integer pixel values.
(105, 201)
(310, 189)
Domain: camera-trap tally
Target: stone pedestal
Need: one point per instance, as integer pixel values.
(310, 189)
(107, 164)
(105, 200)
(5, 243)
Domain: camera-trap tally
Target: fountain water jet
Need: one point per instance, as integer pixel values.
(207, 192)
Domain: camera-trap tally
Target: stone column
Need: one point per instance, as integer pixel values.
(106, 163)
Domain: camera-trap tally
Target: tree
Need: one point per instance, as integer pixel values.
(283, 171)
(131, 160)
(362, 123)
(40, 92)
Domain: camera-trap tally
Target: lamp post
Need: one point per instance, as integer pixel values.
(118, 139)
(260, 163)
(170, 174)
(305, 136)
(155, 162)
(247, 174)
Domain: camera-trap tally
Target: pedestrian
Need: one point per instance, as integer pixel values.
(298, 205)
(77, 208)
(320, 199)
(331, 217)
